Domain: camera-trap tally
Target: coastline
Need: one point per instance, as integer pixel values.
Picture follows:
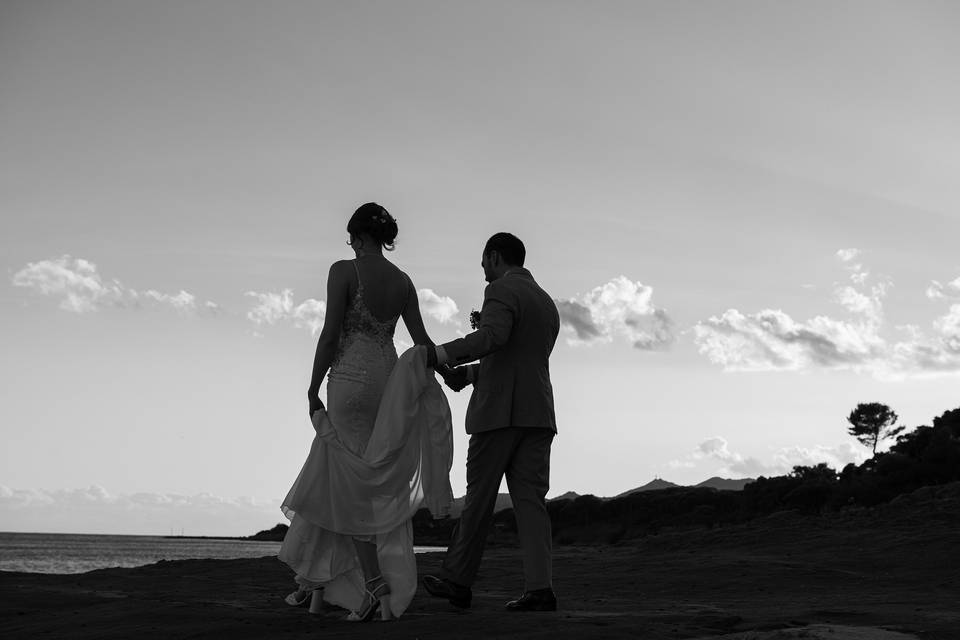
(843, 576)
(72, 554)
(244, 538)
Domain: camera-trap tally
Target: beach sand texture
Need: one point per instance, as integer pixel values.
(889, 573)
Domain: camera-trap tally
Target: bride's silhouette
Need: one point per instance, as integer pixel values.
(383, 443)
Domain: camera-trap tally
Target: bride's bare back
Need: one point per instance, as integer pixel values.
(386, 289)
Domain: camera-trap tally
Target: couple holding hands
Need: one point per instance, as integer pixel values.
(383, 443)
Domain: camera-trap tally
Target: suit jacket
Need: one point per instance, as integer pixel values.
(519, 324)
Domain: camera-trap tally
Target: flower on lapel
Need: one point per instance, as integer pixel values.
(474, 319)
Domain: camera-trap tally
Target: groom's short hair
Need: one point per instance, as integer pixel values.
(509, 246)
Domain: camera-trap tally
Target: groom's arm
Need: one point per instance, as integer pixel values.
(496, 324)
(473, 372)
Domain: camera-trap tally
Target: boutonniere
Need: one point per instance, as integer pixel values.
(474, 319)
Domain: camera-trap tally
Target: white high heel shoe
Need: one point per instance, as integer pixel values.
(376, 599)
(299, 598)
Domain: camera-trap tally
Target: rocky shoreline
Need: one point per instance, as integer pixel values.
(884, 573)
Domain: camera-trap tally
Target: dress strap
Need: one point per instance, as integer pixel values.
(357, 269)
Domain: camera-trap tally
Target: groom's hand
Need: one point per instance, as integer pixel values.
(455, 378)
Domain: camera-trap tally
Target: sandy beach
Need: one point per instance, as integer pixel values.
(889, 573)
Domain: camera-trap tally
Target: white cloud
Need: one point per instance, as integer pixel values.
(868, 305)
(75, 281)
(271, 308)
(183, 301)
(771, 340)
(81, 289)
(848, 255)
(948, 329)
(857, 273)
(309, 314)
(620, 307)
(923, 355)
(938, 291)
(779, 462)
(96, 510)
(440, 308)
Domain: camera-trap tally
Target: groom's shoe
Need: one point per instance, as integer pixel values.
(458, 595)
(536, 600)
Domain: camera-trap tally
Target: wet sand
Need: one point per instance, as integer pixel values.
(890, 573)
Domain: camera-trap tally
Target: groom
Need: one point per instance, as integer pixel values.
(511, 422)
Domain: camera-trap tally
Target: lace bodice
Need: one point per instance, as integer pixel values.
(364, 336)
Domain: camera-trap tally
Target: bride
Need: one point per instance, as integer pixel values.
(383, 444)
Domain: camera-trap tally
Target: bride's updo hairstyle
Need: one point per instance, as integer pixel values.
(375, 221)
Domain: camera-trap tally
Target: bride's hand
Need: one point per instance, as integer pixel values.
(455, 378)
(315, 404)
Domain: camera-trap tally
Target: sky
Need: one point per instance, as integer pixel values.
(746, 212)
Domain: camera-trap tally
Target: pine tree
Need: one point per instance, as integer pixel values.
(872, 422)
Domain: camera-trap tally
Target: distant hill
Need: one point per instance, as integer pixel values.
(503, 502)
(725, 484)
(275, 534)
(716, 482)
(654, 485)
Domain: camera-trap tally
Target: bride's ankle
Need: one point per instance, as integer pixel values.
(377, 584)
(379, 590)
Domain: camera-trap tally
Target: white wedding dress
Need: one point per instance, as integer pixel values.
(382, 450)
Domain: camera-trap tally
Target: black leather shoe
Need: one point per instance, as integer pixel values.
(458, 595)
(536, 600)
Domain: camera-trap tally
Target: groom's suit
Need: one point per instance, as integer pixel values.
(512, 422)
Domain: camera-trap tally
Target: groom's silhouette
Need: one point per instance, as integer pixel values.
(511, 422)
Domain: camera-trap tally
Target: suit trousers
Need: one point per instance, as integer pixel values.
(523, 455)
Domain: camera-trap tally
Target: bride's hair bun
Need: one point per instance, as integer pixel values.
(374, 220)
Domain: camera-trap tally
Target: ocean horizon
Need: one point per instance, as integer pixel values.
(70, 553)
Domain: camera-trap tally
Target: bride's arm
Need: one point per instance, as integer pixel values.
(412, 318)
(337, 292)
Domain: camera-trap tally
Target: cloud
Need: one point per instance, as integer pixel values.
(183, 302)
(848, 255)
(620, 307)
(869, 305)
(579, 319)
(949, 291)
(271, 308)
(440, 308)
(780, 462)
(74, 280)
(771, 340)
(948, 329)
(857, 273)
(81, 289)
(923, 355)
(96, 510)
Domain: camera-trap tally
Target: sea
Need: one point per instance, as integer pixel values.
(77, 553)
